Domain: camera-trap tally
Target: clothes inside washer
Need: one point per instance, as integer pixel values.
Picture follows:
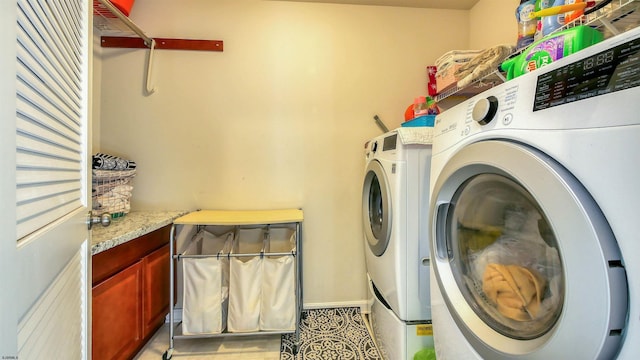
(519, 270)
(516, 290)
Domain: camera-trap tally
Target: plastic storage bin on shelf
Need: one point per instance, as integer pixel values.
(426, 120)
(206, 284)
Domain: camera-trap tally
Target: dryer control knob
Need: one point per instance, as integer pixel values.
(485, 109)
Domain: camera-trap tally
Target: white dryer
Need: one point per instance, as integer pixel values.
(534, 208)
(394, 200)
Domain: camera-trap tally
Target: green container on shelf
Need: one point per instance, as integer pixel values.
(551, 48)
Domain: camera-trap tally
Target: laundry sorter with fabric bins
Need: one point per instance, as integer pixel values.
(241, 274)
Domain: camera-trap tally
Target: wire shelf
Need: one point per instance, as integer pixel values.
(613, 19)
(107, 23)
(110, 21)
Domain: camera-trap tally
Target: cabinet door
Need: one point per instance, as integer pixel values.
(156, 289)
(117, 315)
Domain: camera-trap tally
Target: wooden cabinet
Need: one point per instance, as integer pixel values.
(117, 310)
(155, 290)
(130, 295)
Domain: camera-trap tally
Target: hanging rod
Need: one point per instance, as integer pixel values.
(230, 255)
(126, 21)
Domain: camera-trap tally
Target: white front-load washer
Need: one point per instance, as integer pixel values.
(394, 199)
(534, 211)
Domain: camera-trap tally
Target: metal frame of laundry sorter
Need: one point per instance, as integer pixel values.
(238, 219)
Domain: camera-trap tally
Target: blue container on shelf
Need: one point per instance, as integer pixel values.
(425, 120)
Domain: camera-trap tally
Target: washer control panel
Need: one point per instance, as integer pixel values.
(608, 71)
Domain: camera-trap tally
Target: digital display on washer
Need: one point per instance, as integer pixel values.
(611, 70)
(390, 142)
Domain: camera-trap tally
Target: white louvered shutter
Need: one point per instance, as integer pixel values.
(50, 137)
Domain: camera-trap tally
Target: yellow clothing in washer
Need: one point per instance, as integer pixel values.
(516, 291)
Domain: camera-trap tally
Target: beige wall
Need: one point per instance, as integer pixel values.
(493, 22)
(278, 119)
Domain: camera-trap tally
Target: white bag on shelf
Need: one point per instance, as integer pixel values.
(206, 285)
(245, 283)
(278, 305)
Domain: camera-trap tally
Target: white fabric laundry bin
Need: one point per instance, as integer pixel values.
(206, 284)
(278, 303)
(245, 281)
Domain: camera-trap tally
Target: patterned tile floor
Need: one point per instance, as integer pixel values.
(339, 333)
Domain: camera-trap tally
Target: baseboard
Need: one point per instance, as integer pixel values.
(362, 304)
(177, 316)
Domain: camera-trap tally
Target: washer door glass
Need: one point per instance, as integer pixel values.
(376, 208)
(507, 262)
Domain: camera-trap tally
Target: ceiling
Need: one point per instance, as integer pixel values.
(435, 4)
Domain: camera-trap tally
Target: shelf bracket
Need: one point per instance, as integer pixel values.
(607, 24)
(150, 89)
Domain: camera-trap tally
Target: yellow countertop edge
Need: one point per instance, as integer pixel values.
(240, 217)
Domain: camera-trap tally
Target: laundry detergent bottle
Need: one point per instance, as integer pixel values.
(553, 22)
(551, 48)
(526, 25)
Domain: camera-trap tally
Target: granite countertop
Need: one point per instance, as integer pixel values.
(131, 226)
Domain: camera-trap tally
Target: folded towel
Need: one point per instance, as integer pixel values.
(117, 192)
(113, 205)
(483, 64)
(448, 63)
(515, 290)
(112, 198)
(416, 135)
(454, 56)
(104, 175)
(103, 187)
(109, 162)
